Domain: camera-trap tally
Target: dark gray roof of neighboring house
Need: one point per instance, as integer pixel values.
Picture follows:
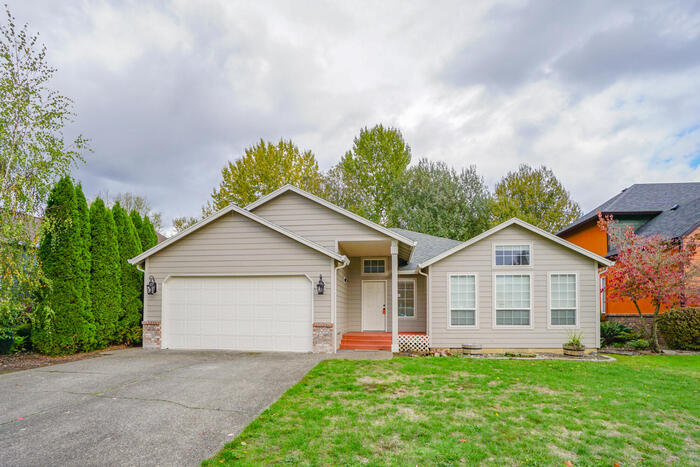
(428, 247)
(652, 198)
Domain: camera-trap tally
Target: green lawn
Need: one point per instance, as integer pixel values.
(413, 411)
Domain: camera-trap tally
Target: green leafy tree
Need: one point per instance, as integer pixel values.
(182, 223)
(366, 178)
(262, 169)
(129, 325)
(437, 200)
(64, 324)
(535, 196)
(147, 234)
(105, 279)
(33, 153)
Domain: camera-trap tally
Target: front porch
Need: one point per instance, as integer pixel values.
(381, 301)
(415, 341)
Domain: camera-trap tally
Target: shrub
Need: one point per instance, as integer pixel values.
(575, 340)
(10, 318)
(638, 344)
(62, 259)
(129, 325)
(612, 332)
(105, 279)
(680, 328)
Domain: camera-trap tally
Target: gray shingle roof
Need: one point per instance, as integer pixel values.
(653, 198)
(428, 247)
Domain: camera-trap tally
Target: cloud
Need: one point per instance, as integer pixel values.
(604, 93)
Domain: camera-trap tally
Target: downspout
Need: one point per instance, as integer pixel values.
(345, 264)
(427, 301)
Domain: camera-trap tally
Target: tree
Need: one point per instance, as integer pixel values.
(367, 176)
(33, 152)
(264, 168)
(137, 221)
(147, 234)
(129, 325)
(535, 196)
(437, 200)
(181, 223)
(651, 268)
(83, 219)
(63, 324)
(105, 278)
(132, 202)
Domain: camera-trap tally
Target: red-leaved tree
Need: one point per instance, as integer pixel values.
(653, 268)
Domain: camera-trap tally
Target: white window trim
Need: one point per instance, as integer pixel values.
(415, 292)
(375, 274)
(449, 301)
(549, 302)
(511, 267)
(532, 315)
(602, 295)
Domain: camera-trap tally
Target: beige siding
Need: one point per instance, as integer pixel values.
(354, 298)
(234, 244)
(314, 221)
(547, 256)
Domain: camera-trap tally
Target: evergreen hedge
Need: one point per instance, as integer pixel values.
(63, 322)
(149, 239)
(105, 283)
(129, 325)
(83, 220)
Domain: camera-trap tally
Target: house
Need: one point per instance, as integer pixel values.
(668, 209)
(293, 272)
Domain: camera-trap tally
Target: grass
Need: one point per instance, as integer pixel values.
(642, 410)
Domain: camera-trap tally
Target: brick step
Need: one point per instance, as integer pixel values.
(367, 338)
(364, 347)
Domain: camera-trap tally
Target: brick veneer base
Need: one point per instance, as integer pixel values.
(151, 334)
(323, 337)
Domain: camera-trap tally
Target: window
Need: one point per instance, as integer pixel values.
(513, 300)
(373, 266)
(407, 298)
(562, 299)
(463, 300)
(512, 255)
(602, 295)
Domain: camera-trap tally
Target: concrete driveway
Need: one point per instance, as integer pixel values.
(136, 407)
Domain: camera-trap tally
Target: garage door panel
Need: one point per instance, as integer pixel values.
(238, 313)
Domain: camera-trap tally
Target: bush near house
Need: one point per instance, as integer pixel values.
(680, 328)
(612, 332)
(105, 284)
(65, 323)
(129, 326)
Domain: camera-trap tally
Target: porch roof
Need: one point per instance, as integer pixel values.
(427, 246)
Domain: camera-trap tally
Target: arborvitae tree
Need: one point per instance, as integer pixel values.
(105, 285)
(149, 239)
(60, 325)
(129, 327)
(138, 223)
(83, 220)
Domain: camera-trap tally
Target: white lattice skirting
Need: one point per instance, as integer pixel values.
(414, 342)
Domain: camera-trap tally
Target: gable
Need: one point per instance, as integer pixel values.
(316, 222)
(233, 238)
(531, 230)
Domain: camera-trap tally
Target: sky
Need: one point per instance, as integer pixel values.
(606, 94)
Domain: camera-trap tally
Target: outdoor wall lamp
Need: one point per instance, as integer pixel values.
(152, 287)
(321, 285)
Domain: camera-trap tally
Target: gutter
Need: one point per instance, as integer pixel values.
(334, 291)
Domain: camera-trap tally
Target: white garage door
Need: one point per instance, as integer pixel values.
(238, 313)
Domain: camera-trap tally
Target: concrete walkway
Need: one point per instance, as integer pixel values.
(140, 407)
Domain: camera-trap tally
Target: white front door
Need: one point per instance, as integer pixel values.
(373, 302)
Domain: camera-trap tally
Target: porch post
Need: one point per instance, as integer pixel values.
(394, 296)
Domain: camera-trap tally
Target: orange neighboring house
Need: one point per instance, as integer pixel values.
(668, 209)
